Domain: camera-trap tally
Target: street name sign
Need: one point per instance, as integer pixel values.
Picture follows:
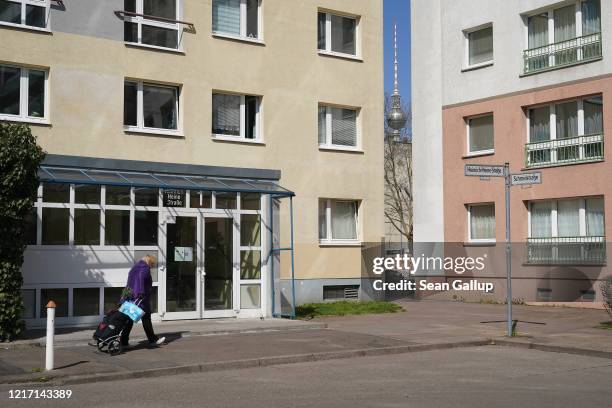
(526, 178)
(484, 170)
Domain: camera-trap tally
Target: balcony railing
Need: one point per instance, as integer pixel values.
(558, 152)
(570, 52)
(566, 251)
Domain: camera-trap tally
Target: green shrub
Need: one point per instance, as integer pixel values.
(20, 158)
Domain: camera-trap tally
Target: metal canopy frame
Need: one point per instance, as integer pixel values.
(70, 175)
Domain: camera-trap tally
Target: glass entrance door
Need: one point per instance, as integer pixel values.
(181, 268)
(219, 271)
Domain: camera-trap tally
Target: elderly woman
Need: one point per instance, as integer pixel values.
(138, 288)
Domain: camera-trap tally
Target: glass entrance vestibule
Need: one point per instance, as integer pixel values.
(213, 239)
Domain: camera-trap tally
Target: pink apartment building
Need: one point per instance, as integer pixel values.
(529, 83)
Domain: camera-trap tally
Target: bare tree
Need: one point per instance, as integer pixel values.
(398, 175)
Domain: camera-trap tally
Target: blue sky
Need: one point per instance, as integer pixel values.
(398, 11)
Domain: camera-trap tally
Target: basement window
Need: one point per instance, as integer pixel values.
(341, 292)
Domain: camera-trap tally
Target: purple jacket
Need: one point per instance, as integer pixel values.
(141, 284)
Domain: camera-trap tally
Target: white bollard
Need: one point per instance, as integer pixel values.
(50, 335)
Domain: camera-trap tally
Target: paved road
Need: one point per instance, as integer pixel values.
(475, 377)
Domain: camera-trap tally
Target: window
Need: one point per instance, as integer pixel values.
(86, 302)
(149, 107)
(145, 228)
(563, 36)
(481, 219)
(581, 217)
(340, 292)
(225, 201)
(566, 132)
(55, 226)
(156, 26)
(480, 135)
(338, 127)
(59, 296)
(338, 220)
(24, 13)
(118, 195)
(23, 94)
(117, 227)
(236, 117)
(29, 303)
(200, 199)
(479, 46)
(237, 18)
(86, 227)
(337, 34)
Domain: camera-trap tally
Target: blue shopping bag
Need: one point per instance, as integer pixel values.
(132, 310)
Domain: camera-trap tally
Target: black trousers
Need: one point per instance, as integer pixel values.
(146, 325)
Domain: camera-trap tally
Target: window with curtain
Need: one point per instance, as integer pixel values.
(568, 218)
(482, 222)
(236, 17)
(567, 119)
(595, 221)
(338, 220)
(344, 220)
(591, 17)
(541, 219)
(539, 124)
(480, 44)
(593, 115)
(565, 23)
(480, 134)
(537, 29)
(337, 126)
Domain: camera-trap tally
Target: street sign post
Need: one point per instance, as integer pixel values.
(496, 170)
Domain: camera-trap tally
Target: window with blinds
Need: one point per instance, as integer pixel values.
(239, 18)
(338, 127)
(236, 116)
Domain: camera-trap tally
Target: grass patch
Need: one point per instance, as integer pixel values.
(605, 326)
(311, 310)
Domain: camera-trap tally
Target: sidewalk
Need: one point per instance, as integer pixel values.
(198, 346)
(182, 328)
(427, 322)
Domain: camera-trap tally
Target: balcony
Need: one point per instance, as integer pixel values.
(566, 53)
(566, 251)
(559, 152)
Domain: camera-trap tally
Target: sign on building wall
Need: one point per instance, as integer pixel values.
(183, 254)
(174, 198)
